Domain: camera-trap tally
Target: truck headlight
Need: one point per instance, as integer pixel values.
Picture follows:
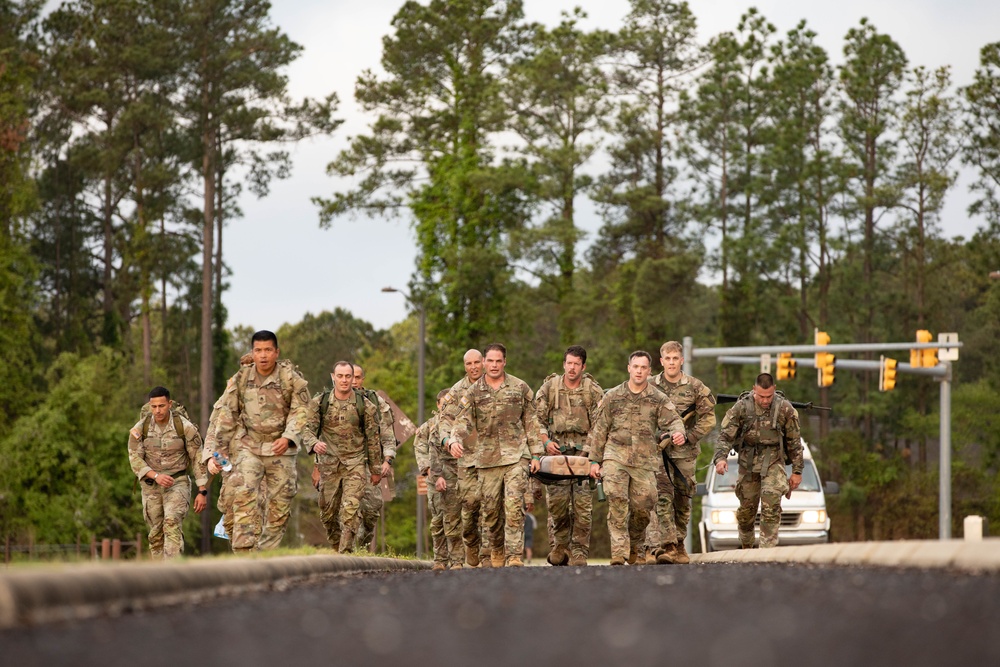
(723, 516)
(814, 516)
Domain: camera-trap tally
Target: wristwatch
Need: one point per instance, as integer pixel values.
(389, 460)
(202, 492)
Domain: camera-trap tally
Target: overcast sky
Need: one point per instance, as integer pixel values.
(347, 265)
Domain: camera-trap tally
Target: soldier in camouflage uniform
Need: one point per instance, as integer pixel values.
(160, 457)
(346, 448)
(441, 470)
(634, 422)
(763, 428)
(566, 404)
(501, 409)
(474, 536)
(261, 417)
(371, 502)
(675, 486)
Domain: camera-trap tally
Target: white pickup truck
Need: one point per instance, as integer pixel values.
(804, 519)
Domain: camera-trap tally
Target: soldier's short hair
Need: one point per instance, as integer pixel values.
(442, 394)
(765, 381)
(576, 351)
(640, 353)
(495, 346)
(671, 346)
(157, 392)
(263, 336)
(343, 363)
(359, 367)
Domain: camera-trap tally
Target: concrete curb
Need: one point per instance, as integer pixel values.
(976, 557)
(64, 592)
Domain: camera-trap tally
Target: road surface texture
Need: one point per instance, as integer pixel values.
(700, 614)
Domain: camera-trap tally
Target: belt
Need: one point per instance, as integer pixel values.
(175, 475)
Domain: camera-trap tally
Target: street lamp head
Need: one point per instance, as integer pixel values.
(389, 289)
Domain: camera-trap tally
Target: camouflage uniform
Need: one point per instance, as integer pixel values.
(624, 441)
(342, 468)
(371, 502)
(434, 461)
(668, 525)
(474, 535)
(567, 413)
(166, 452)
(762, 438)
(253, 413)
(225, 502)
(507, 428)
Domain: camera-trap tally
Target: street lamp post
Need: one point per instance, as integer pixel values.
(421, 500)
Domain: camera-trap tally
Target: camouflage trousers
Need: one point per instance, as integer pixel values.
(470, 496)
(164, 511)
(254, 477)
(370, 510)
(570, 506)
(631, 496)
(225, 505)
(669, 523)
(503, 490)
(446, 519)
(340, 490)
(767, 489)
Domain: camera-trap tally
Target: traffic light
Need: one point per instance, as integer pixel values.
(786, 366)
(926, 358)
(887, 374)
(825, 362)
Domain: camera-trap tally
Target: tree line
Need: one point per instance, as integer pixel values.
(749, 191)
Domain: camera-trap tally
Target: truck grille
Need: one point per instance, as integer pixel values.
(787, 519)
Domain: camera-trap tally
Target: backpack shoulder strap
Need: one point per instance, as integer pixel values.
(359, 404)
(588, 386)
(145, 426)
(324, 406)
(553, 380)
(179, 427)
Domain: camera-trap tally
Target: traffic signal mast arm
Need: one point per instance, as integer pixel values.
(848, 364)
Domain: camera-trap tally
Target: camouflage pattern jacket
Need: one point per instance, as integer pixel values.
(699, 422)
(342, 432)
(423, 443)
(504, 420)
(451, 405)
(254, 411)
(761, 437)
(627, 427)
(568, 413)
(164, 450)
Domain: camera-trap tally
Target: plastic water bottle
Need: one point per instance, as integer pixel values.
(222, 462)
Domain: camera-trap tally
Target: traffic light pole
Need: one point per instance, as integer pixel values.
(942, 371)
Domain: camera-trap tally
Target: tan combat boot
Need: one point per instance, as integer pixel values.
(496, 558)
(650, 557)
(558, 555)
(456, 566)
(617, 560)
(472, 556)
(578, 560)
(633, 555)
(515, 561)
(667, 555)
(681, 554)
(438, 567)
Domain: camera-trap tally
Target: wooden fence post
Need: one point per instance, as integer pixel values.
(105, 548)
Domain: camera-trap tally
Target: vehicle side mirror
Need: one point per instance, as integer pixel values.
(701, 489)
(831, 488)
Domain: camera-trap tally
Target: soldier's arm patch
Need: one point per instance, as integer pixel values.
(465, 402)
(136, 433)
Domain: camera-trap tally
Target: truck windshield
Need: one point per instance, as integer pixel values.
(727, 482)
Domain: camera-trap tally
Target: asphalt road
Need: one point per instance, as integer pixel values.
(707, 614)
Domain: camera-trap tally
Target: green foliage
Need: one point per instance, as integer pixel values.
(66, 472)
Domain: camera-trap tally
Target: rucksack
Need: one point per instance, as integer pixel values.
(177, 410)
(553, 393)
(359, 405)
(747, 398)
(282, 366)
